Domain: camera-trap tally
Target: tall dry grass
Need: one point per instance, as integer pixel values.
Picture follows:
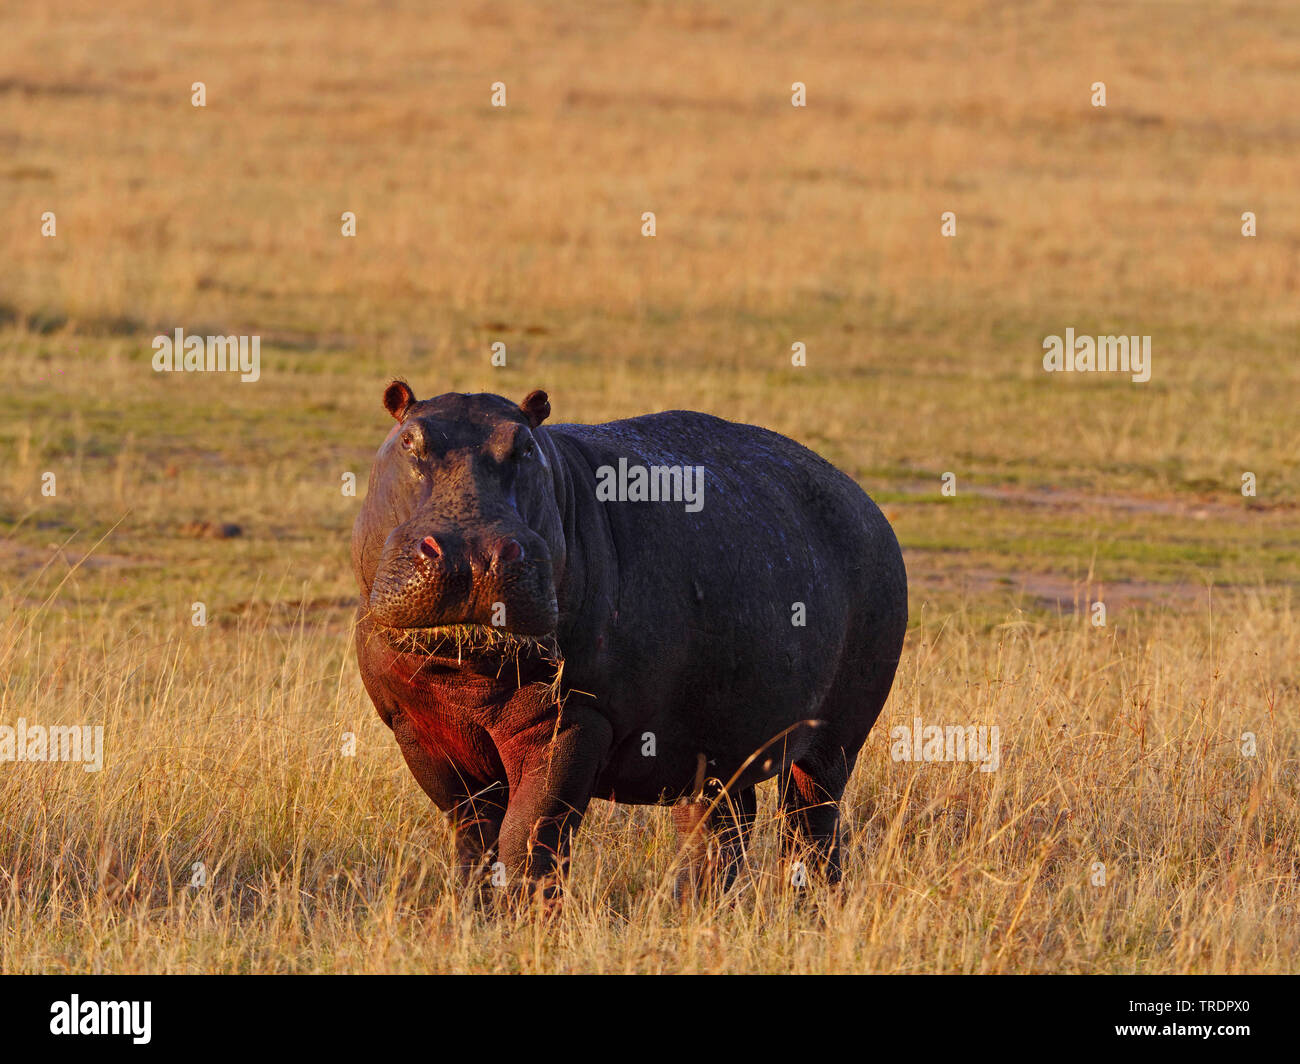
(226, 745)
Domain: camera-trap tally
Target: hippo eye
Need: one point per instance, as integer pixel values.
(408, 442)
(527, 450)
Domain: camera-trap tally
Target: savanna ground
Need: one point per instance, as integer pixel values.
(1120, 744)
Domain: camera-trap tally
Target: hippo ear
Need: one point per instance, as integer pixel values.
(536, 408)
(398, 398)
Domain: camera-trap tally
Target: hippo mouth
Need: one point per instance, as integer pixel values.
(463, 642)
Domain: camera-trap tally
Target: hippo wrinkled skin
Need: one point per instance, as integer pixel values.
(539, 629)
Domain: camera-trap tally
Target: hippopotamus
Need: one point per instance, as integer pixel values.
(668, 609)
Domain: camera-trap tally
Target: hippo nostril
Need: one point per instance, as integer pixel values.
(429, 548)
(507, 551)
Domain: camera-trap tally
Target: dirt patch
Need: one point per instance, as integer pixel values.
(33, 559)
(327, 614)
(24, 87)
(935, 571)
(1197, 509)
(209, 530)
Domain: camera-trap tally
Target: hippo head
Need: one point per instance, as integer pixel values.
(460, 533)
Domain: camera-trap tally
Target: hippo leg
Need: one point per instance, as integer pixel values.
(810, 796)
(553, 770)
(476, 818)
(712, 849)
(811, 787)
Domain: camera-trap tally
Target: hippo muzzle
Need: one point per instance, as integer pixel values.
(498, 577)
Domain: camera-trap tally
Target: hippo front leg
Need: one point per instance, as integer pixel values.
(475, 818)
(553, 766)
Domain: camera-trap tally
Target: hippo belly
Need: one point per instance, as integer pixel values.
(733, 623)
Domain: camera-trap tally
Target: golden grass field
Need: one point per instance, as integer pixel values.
(775, 225)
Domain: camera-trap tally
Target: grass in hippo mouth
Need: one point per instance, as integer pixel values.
(474, 639)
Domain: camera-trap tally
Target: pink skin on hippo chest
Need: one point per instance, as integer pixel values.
(452, 711)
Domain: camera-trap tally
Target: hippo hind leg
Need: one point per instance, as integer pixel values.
(810, 802)
(713, 845)
(812, 787)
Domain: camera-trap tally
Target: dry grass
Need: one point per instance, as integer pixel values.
(226, 747)
(775, 225)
